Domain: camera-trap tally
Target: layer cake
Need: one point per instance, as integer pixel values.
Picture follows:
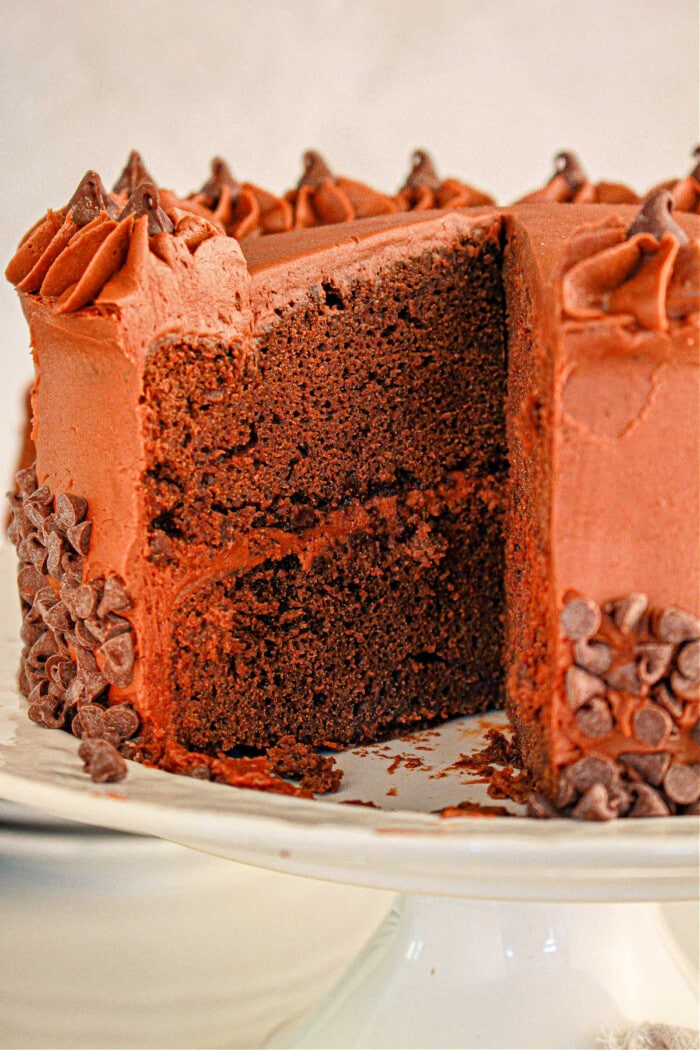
(320, 486)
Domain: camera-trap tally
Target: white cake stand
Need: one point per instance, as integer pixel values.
(509, 932)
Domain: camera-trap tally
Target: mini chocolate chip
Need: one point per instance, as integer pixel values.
(13, 533)
(29, 582)
(594, 805)
(653, 660)
(423, 174)
(694, 810)
(133, 174)
(54, 546)
(47, 712)
(93, 684)
(656, 217)
(72, 565)
(579, 619)
(43, 647)
(58, 618)
(595, 718)
(624, 678)
(651, 768)
(119, 659)
(32, 549)
(627, 612)
(85, 600)
(652, 725)
(79, 537)
(688, 661)
(21, 522)
(316, 171)
(30, 631)
(44, 600)
(75, 692)
(89, 200)
(220, 178)
(102, 761)
(540, 807)
(26, 480)
(683, 686)
(682, 784)
(675, 625)
(569, 167)
(90, 721)
(114, 597)
(145, 200)
(85, 636)
(122, 720)
(648, 803)
(25, 686)
(593, 769)
(665, 698)
(619, 798)
(582, 687)
(594, 657)
(87, 664)
(62, 671)
(37, 507)
(566, 789)
(107, 626)
(70, 509)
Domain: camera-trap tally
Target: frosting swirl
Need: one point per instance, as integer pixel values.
(241, 209)
(686, 191)
(424, 189)
(647, 275)
(72, 254)
(570, 185)
(322, 198)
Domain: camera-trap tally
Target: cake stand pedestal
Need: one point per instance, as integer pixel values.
(443, 972)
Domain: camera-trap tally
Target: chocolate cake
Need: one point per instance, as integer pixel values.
(321, 486)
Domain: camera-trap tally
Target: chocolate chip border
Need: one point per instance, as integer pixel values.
(76, 643)
(624, 651)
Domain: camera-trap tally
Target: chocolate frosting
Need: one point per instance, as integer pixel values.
(424, 189)
(570, 185)
(646, 275)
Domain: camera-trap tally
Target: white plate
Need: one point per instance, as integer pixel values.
(402, 844)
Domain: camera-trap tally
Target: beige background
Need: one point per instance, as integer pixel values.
(493, 87)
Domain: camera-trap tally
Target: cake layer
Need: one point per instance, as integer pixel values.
(359, 385)
(377, 619)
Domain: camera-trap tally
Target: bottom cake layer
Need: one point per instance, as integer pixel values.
(390, 618)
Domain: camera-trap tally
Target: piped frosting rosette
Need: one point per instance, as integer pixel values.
(77, 254)
(424, 189)
(241, 208)
(570, 185)
(686, 191)
(647, 275)
(322, 198)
